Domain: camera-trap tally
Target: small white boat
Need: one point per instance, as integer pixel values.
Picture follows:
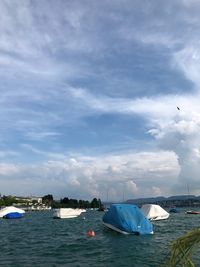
(154, 212)
(11, 212)
(64, 213)
(192, 212)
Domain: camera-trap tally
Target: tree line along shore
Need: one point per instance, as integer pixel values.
(49, 201)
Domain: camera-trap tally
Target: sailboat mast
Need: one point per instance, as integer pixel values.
(188, 190)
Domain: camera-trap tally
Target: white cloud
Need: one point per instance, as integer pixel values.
(181, 135)
(163, 107)
(73, 181)
(72, 174)
(174, 130)
(41, 135)
(156, 191)
(9, 169)
(188, 60)
(132, 187)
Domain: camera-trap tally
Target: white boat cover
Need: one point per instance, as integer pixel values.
(10, 209)
(154, 212)
(63, 213)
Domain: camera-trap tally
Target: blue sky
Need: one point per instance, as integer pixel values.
(89, 96)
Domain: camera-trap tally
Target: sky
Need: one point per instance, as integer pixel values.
(89, 94)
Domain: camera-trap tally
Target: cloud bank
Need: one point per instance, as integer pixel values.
(109, 176)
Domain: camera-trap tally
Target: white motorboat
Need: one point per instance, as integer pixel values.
(64, 213)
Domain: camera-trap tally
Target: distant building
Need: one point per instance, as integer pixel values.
(30, 199)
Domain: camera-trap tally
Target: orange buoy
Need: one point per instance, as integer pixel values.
(91, 233)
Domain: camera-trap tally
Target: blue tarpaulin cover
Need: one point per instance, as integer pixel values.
(13, 215)
(128, 218)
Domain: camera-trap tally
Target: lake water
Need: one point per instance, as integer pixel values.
(39, 240)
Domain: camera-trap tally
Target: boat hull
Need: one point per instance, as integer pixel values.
(192, 212)
(67, 213)
(158, 218)
(115, 229)
(65, 217)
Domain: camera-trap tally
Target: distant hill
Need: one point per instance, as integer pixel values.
(182, 197)
(161, 198)
(144, 200)
(178, 201)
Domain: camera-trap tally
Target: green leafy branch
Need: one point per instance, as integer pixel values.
(183, 249)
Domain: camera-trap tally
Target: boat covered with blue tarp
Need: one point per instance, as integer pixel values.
(13, 215)
(11, 212)
(174, 210)
(127, 219)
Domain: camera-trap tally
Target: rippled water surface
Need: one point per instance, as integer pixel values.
(39, 240)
